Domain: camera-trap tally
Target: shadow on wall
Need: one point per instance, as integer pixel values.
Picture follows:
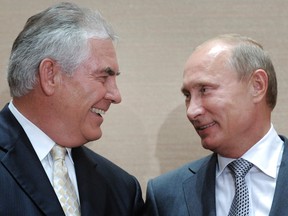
(124, 144)
(178, 143)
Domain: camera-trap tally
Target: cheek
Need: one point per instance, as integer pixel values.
(88, 93)
(216, 105)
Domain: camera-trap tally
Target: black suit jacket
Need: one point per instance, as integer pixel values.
(190, 189)
(104, 188)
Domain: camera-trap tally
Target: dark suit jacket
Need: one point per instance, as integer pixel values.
(104, 188)
(190, 190)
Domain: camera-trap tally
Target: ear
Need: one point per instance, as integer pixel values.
(48, 76)
(259, 85)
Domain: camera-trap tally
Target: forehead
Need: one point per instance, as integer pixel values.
(102, 53)
(208, 62)
(208, 53)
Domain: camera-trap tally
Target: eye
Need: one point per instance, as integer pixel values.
(186, 95)
(203, 89)
(102, 79)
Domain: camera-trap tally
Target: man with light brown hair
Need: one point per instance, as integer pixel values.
(230, 90)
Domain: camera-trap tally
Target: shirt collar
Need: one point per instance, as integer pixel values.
(41, 143)
(266, 155)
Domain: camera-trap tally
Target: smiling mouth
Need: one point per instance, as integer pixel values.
(205, 126)
(97, 111)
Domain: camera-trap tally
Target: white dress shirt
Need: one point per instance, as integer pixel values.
(266, 157)
(42, 145)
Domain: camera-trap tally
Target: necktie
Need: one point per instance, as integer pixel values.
(62, 183)
(240, 203)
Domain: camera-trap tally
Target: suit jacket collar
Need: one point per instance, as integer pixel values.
(91, 185)
(280, 204)
(24, 166)
(22, 163)
(203, 180)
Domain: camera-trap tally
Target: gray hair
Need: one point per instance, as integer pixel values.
(61, 33)
(247, 56)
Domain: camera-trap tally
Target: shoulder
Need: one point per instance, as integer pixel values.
(284, 139)
(83, 156)
(117, 185)
(99, 160)
(6, 115)
(165, 194)
(180, 174)
(10, 129)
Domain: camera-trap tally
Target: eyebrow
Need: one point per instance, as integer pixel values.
(111, 72)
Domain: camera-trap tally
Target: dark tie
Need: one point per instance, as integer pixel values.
(240, 204)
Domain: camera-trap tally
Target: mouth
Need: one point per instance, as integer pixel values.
(97, 111)
(200, 128)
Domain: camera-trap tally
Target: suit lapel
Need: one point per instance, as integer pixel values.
(280, 204)
(202, 183)
(91, 184)
(23, 164)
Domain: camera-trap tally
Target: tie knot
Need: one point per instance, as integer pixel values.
(58, 152)
(240, 167)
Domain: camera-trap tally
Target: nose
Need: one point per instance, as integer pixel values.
(113, 93)
(194, 109)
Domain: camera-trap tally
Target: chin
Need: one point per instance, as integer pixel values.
(93, 135)
(208, 145)
(96, 137)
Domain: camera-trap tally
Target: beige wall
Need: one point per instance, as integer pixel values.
(148, 133)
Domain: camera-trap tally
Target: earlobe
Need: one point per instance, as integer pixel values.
(259, 81)
(47, 76)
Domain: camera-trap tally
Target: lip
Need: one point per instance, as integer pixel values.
(204, 127)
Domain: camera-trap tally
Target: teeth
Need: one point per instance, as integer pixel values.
(206, 126)
(97, 111)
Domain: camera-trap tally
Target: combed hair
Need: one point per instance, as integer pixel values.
(247, 56)
(61, 33)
